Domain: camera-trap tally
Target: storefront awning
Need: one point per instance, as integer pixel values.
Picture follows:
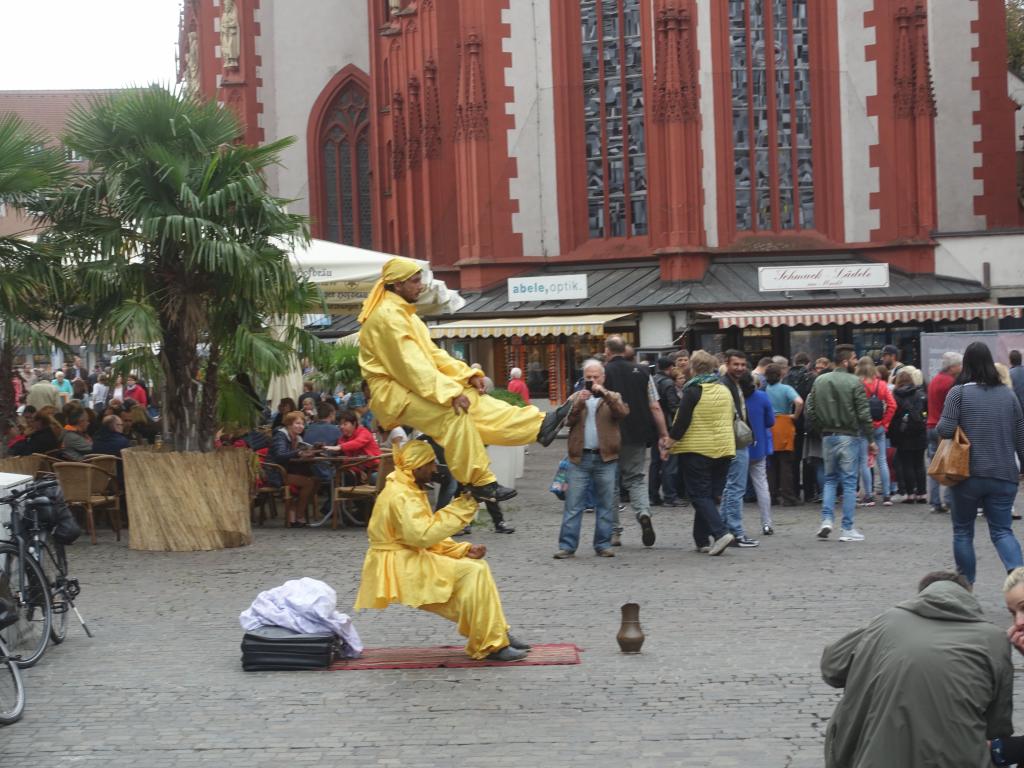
(881, 313)
(523, 326)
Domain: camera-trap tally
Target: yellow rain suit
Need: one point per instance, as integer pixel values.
(412, 559)
(413, 382)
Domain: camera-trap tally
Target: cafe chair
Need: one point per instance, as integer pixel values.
(362, 493)
(86, 486)
(265, 492)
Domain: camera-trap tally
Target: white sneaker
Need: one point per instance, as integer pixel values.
(851, 534)
(825, 529)
(721, 544)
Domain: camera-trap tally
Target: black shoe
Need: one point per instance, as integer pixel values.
(655, 502)
(464, 532)
(491, 492)
(502, 527)
(508, 653)
(745, 543)
(553, 421)
(519, 645)
(648, 535)
(767, 530)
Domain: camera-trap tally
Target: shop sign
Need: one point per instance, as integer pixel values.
(827, 277)
(547, 288)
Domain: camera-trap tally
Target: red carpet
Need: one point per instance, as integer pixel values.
(453, 657)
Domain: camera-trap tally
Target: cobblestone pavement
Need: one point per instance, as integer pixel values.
(728, 675)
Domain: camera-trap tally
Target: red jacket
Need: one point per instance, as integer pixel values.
(138, 394)
(881, 390)
(938, 388)
(362, 443)
(518, 386)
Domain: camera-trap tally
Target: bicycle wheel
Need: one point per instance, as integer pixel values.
(23, 583)
(55, 568)
(12, 690)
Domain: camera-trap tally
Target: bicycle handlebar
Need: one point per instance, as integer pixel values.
(33, 487)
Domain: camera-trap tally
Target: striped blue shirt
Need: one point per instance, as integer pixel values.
(993, 421)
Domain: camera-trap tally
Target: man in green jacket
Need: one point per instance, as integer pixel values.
(926, 683)
(837, 409)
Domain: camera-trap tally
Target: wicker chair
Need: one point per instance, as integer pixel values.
(268, 493)
(85, 485)
(364, 494)
(115, 487)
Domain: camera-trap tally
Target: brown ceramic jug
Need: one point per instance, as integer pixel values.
(630, 636)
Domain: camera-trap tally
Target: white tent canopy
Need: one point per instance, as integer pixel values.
(346, 274)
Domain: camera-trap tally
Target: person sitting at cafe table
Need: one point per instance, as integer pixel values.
(76, 443)
(110, 437)
(357, 440)
(45, 435)
(286, 449)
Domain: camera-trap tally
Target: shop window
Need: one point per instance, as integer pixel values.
(613, 119)
(769, 48)
(757, 343)
(345, 168)
(814, 343)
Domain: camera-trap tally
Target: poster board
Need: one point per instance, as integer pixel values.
(935, 345)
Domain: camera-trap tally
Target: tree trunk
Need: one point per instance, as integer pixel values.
(208, 407)
(8, 406)
(179, 360)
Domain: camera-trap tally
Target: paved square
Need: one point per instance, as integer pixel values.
(728, 675)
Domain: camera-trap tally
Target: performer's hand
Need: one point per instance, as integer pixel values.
(479, 383)
(476, 551)
(460, 404)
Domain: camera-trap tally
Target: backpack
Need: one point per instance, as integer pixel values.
(876, 404)
(914, 415)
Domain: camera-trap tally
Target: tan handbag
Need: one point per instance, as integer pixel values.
(951, 463)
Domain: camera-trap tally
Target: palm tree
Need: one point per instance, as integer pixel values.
(178, 250)
(29, 273)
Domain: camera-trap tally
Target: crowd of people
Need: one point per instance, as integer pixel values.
(848, 431)
(72, 412)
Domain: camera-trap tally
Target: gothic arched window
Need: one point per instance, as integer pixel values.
(770, 52)
(344, 158)
(613, 120)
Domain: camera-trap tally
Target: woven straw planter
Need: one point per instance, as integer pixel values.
(183, 502)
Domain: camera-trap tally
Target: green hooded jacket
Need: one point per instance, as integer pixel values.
(927, 682)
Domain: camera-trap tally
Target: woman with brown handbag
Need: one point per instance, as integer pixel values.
(991, 417)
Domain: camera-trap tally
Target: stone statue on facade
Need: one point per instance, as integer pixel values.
(230, 48)
(192, 64)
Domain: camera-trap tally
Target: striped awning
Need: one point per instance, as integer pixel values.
(523, 326)
(881, 313)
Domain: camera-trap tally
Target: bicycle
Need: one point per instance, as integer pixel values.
(41, 603)
(12, 690)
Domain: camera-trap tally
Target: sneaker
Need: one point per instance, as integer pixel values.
(922, 499)
(896, 498)
(563, 554)
(503, 527)
(886, 501)
(851, 534)
(647, 537)
(552, 423)
(704, 550)
(588, 511)
(744, 542)
(721, 545)
(825, 529)
(869, 501)
(675, 503)
(908, 499)
(508, 653)
(605, 553)
(940, 509)
(616, 539)
(767, 530)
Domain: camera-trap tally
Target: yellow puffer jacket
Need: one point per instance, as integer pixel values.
(710, 432)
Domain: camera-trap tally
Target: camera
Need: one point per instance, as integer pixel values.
(588, 385)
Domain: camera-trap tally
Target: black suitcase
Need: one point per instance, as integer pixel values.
(277, 648)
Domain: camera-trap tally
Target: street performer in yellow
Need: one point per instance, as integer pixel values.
(413, 560)
(412, 381)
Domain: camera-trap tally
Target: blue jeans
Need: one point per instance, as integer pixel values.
(601, 475)
(881, 464)
(936, 495)
(841, 457)
(735, 489)
(661, 476)
(995, 498)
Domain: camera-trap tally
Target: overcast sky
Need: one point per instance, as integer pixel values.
(62, 44)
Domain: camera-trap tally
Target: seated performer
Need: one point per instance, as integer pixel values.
(414, 382)
(413, 560)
